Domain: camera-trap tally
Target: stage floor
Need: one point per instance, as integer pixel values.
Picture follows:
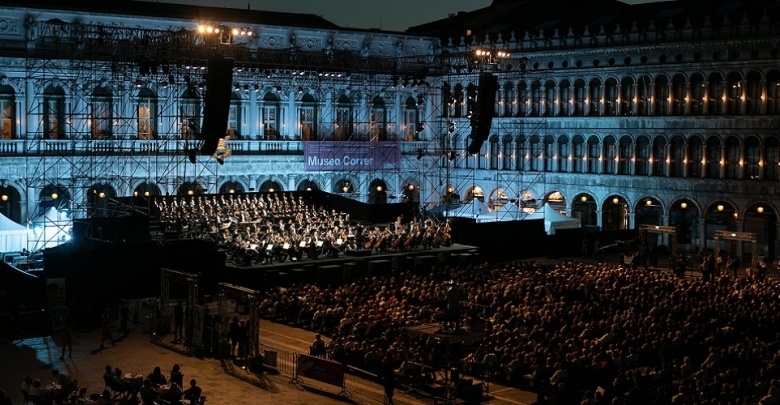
(346, 268)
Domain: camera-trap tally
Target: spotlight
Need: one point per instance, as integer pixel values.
(420, 154)
(452, 155)
(191, 156)
(220, 160)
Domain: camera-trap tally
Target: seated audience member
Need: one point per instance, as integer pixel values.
(38, 395)
(176, 375)
(172, 394)
(157, 377)
(148, 393)
(105, 398)
(122, 384)
(66, 383)
(192, 394)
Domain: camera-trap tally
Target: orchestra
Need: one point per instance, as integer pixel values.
(265, 228)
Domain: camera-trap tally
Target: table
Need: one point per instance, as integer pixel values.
(137, 380)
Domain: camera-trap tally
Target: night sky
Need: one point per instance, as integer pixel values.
(389, 15)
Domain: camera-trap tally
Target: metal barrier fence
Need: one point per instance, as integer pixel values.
(278, 360)
(364, 386)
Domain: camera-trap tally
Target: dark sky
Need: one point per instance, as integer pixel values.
(390, 15)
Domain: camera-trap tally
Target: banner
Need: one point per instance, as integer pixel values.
(351, 156)
(329, 372)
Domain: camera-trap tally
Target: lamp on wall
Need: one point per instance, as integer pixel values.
(720, 207)
(684, 205)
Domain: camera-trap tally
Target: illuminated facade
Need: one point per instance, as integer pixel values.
(661, 114)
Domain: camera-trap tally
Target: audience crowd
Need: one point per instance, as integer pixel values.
(571, 332)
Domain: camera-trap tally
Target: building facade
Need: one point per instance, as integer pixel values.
(622, 116)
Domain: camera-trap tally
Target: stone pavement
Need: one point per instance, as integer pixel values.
(36, 357)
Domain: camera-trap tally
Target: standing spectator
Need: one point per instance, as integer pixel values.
(107, 334)
(387, 374)
(25, 387)
(178, 321)
(124, 314)
(233, 334)
(596, 249)
(67, 337)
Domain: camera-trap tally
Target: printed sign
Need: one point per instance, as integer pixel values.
(351, 156)
(320, 369)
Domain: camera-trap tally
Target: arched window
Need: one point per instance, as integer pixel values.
(234, 117)
(713, 153)
(677, 157)
(189, 113)
(695, 157)
(53, 112)
(509, 100)
(659, 156)
(580, 95)
(307, 117)
(564, 104)
(715, 95)
(773, 92)
(147, 114)
(625, 155)
(7, 112)
(102, 112)
(536, 98)
(412, 123)
(661, 95)
(642, 166)
(772, 155)
(678, 95)
(752, 158)
(446, 100)
(377, 120)
(697, 94)
(534, 153)
(506, 153)
(610, 154)
(595, 96)
(549, 98)
(522, 99)
(593, 155)
(270, 111)
(627, 96)
(549, 153)
(521, 153)
(753, 93)
(564, 154)
(611, 97)
(644, 92)
(494, 152)
(731, 158)
(343, 118)
(579, 153)
(457, 101)
(735, 94)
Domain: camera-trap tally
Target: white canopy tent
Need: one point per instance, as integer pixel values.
(13, 237)
(473, 209)
(553, 220)
(50, 228)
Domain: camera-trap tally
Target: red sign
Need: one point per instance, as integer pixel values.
(329, 372)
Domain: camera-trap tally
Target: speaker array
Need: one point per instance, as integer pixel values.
(482, 116)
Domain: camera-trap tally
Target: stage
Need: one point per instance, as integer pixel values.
(345, 268)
